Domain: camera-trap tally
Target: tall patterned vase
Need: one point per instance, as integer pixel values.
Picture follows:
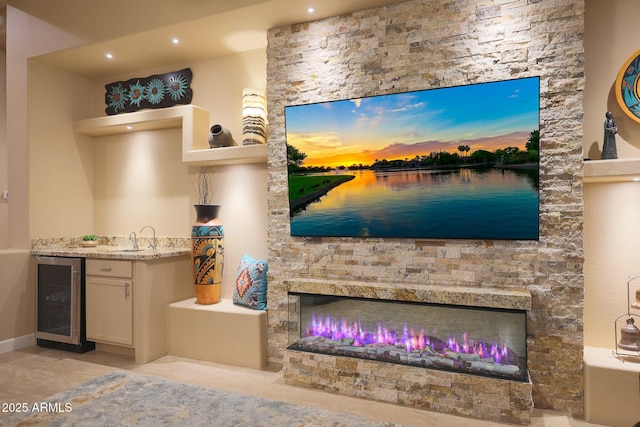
(207, 253)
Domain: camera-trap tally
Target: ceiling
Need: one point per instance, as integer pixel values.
(139, 33)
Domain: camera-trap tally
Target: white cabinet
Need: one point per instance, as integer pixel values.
(109, 300)
(127, 302)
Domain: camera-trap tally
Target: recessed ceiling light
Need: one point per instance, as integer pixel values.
(310, 10)
(175, 40)
(636, 179)
(129, 127)
(109, 56)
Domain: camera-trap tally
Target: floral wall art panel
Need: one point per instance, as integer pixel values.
(156, 91)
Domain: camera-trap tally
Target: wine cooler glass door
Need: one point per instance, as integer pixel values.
(59, 299)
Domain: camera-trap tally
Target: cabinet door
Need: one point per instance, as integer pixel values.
(109, 310)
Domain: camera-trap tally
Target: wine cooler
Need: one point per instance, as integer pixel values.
(61, 304)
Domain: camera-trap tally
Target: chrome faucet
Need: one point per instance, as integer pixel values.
(134, 240)
(153, 245)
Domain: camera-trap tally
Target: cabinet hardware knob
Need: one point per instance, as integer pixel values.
(105, 268)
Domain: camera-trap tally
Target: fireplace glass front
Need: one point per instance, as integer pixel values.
(472, 340)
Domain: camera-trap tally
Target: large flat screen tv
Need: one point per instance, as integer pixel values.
(450, 163)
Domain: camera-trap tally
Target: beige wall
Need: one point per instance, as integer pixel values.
(611, 210)
(56, 183)
(609, 41)
(114, 185)
(140, 178)
(612, 245)
(217, 86)
(242, 192)
(26, 37)
(17, 301)
(60, 163)
(4, 175)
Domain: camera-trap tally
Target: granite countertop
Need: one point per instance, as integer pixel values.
(112, 252)
(112, 248)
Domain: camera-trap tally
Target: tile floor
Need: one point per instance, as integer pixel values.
(32, 374)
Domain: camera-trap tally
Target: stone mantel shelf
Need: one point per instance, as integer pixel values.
(614, 170)
(194, 122)
(462, 295)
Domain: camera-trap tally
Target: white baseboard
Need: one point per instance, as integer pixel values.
(17, 343)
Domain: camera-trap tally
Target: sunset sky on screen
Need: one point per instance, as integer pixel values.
(483, 116)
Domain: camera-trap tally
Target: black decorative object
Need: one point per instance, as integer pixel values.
(609, 150)
(156, 91)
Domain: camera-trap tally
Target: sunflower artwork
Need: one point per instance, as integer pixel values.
(156, 91)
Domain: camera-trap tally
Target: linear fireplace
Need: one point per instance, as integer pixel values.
(471, 340)
(446, 313)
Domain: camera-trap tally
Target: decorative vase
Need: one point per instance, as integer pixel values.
(254, 116)
(220, 137)
(207, 253)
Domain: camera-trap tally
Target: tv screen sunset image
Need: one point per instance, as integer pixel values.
(458, 162)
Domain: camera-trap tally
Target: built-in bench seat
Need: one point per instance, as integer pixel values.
(611, 388)
(223, 333)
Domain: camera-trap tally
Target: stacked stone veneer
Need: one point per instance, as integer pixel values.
(448, 392)
(431, 44)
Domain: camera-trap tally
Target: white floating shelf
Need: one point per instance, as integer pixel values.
(185, 116)
(194, 122)
(615, 170)
(227, 155)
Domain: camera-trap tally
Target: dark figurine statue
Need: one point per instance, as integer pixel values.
(609, 150)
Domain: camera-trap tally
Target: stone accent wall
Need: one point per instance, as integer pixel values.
(423, 44)
(446, 392)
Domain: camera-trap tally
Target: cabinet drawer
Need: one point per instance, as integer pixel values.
(109, 268)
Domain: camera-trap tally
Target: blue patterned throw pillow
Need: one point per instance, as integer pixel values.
(251, 283)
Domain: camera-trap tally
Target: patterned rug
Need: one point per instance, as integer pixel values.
(122, 398)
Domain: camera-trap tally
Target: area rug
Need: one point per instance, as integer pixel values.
(122, 398)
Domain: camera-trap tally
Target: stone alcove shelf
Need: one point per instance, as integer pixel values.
(194, 122)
